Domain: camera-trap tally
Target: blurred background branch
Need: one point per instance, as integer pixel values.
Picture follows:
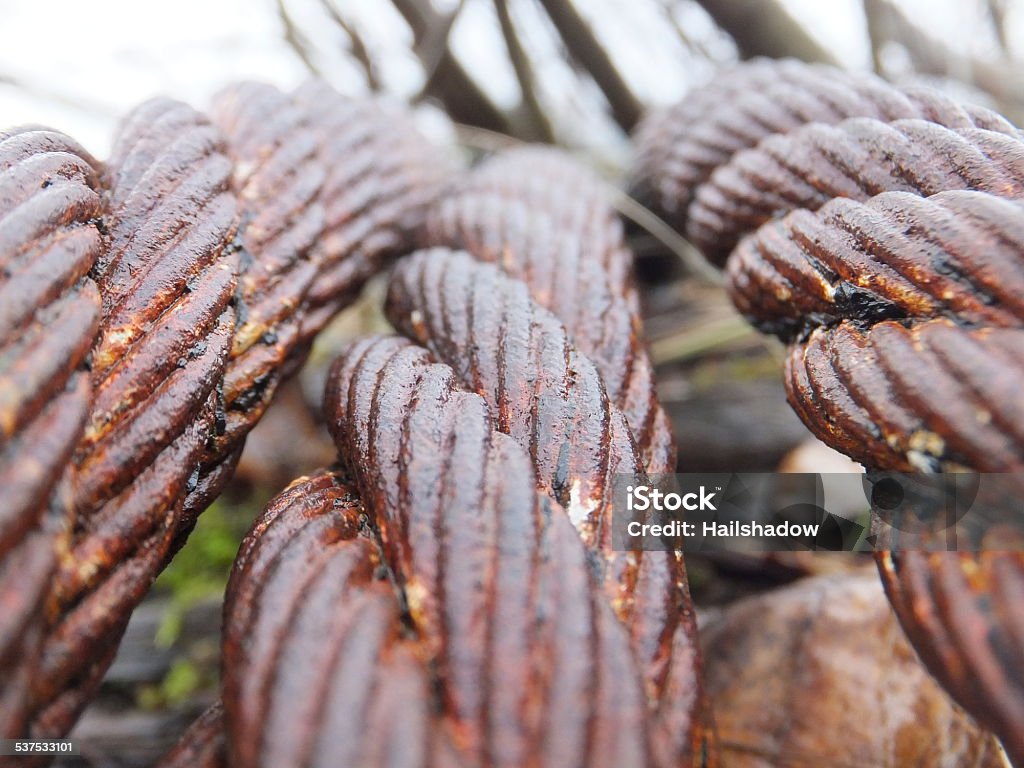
(446, 79)
(765, 28)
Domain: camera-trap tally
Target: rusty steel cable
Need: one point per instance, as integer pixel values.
(962, 612)
(679, 148)
(277, 179)
(482, 557)
(329, 188)
(381, 174)
(49, 316)
(888, 252)
(856, 159)
(167, 281)
(548, 220)
(549, 397)
(319, 667)
(202, 745)
(917, 346)
(192, 230)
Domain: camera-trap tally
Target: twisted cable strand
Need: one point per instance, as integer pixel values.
(49, 315)
(955, 254)
(277, 179)
(855, 159)
(445, 489)
(926, 397)
(542, 391)
(167, 281)
(681, 147)
(380, 175)
(547, 220)
(900, 292)
(202, 744)
(961, 612)
(176, 384)
(548, 397)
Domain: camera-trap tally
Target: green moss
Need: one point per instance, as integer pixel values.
(200, 570)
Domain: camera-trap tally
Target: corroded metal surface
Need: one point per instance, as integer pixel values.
(381, 175)
(955, 254)
(202, 744)
(167, 282)
(547, 220)
(481, 558)
(276, 226)
(856, 159)
(913, 361)
(49, 315)
(896, 274)
(962, 612)
(318, 668)
(679, 148)
(277, 178)
(929, 397)
(543, 391)
(548, 396)
(820, 674)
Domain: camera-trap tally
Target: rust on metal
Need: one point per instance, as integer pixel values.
(445, 488)
(887, 251)
(167, 282)
(955, 254)
(381, 174)
(927, 397)
(856, 159)
(549, 398)
(49, 316)
(962, 612)
(277, 179)
(202, 744)
(679, 148)
(549, 221)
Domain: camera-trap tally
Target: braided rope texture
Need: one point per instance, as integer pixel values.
(401, 610)
(202, 744)
(679, 149)
(549, 397)
(167, 281)
(49, 315)
(180, 274)
(547, 220)
(885, 244)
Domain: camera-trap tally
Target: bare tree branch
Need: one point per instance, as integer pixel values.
(765, 28)
(357, 47)
(432, 48)
(525, 74)
(668, 9)
(295, 39)
(997, 12)
(447, 80)
(1002, 79)
(876, 35)
(483, 140)
(582, 43)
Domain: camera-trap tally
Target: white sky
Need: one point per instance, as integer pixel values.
(81, 65)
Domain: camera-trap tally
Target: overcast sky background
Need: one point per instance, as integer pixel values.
(79, 66)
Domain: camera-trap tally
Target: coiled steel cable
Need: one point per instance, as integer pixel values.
(547, 220)
(49, 315)
(204, 248)
(888, 252)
